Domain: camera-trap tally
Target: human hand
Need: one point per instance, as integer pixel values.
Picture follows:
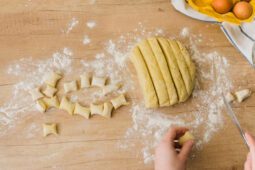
(166, 156)
(250, 160)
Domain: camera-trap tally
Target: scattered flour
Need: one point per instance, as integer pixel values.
(91, 24)
(86, 40)
(203, 115)
(74, 22)
(184, 32)
(30, 73)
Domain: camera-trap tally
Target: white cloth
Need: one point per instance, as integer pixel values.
(242, 37)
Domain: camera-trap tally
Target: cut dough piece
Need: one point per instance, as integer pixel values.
(70, 86)
(186, 137)
(41, 106)
(107, 112)
(49, 128)
(174, 69)
(66, 105)
(52, 78)
(96, 109)
(229, 97)
(149, 93)
(81, 110)
(98, 81)
(51, 102)
(155, 73)
(160, 57)
(50, 91)
(119, 101)
(182, 66)
(36, 94)
(85, 80)
(190, 64)
(241, 95)
(111, 88)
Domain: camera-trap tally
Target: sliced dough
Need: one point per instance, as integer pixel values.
(51, 102)
(36, 94)
(172, 64)
(241, 95)
(149, 93)
(41, 106)
(96, 109)
(182, 66)
(111, 88)
(70, 86)
(155, 73)
(85, 80)
(81, 110)
(52, 78)
(119, 101)
(189, 62)
(98, 81)
(50, 91)
(49, 128)
(186, 137)
(158, 53)
(67, 105)
(107, 112)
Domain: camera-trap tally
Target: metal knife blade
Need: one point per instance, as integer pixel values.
(235, 120)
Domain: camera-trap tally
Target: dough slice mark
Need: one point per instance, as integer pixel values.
(172, 64)
(149, 93)
(161, 60)
(182, 66)
(189, 62)
(154, 71)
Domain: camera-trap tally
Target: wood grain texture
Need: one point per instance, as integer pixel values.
(34, 28)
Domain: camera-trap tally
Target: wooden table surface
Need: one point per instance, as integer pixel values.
(33, 28)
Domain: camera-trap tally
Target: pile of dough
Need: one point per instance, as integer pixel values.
(165, 71)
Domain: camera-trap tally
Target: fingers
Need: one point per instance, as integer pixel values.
(247, 165)
(250, 140)
(186, 149)
(174, 133)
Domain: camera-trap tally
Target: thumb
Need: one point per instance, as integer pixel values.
(186, 149)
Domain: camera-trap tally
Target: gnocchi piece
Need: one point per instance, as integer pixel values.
(41, 106)
(119, 101)
(107, 112)
(230, 97)
(98, 81)
(49, 128)
(51, 102)
(81, 110)
(52, 78)
(85, 80)
(96, 109)
(187, 136)
(36, 94)
(66, 105)
(50, 91)
(70, 86)
(241, 95)
(111, 88)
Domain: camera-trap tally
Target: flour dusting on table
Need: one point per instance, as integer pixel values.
(74, 22)
(202, 114)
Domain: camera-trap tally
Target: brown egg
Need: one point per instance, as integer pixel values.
(243, 10)
(222, 6)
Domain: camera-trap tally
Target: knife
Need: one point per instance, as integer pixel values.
(235, 120)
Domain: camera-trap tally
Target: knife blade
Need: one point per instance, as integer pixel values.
(235, 120)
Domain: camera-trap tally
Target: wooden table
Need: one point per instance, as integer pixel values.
(33, 28)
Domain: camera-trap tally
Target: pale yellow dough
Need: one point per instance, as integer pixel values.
(165, 71)
(149, 93)
(160, 57)
(49, 128)
(155, 73)
(186, 137)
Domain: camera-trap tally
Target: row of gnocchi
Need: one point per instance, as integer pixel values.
(47, 98)
(104, 109)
